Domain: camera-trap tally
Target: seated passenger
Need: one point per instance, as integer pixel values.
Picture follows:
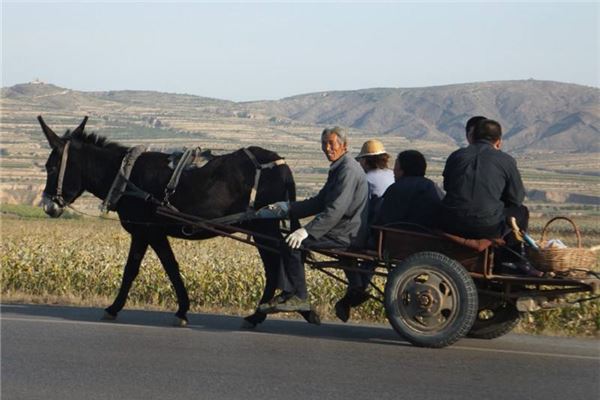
(374, 160)
(483, 190)
(412, 198)
(340, 210)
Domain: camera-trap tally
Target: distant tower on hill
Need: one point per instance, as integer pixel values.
(36, 81)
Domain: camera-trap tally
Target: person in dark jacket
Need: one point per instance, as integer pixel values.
(340, 210)
(413, 198)
(483, 191)
(481, 183)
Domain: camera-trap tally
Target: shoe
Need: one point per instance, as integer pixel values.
(265, 308)
(528, 269)
(357, 297)
(354, 297)
(293, 303)
(269, 307)
(342, 309)
(520, 268)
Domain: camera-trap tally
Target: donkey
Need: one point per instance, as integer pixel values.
(82, 162)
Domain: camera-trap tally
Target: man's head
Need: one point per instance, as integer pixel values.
(334, 143)
(410, 163)
(489, 130)
(470, 127)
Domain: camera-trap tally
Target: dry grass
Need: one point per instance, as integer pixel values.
(80, 262)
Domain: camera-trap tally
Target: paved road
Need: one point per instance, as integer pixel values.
(66, 353)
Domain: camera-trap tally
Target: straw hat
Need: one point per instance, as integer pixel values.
(371, 147)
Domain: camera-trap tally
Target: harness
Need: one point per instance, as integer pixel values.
(189, 157)
(121, 181)
(259, 167)
(58, 197)
(123, 186)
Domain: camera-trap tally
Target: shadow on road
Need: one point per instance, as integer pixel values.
(214, 322)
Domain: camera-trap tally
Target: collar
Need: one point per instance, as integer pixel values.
(483, 141)
(338, 162)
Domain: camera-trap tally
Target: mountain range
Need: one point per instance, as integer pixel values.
(536, 116)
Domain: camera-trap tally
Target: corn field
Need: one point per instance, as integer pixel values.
(82, 261)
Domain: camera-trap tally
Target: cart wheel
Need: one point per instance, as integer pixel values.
(431, 300)
(495, 319)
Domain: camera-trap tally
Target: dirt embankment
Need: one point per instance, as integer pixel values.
(21, 194)
(562, 197)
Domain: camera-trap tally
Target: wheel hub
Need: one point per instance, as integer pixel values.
(425, 299)
(428, 300)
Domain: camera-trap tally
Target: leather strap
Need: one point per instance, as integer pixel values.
(259, 167)
(122, 179)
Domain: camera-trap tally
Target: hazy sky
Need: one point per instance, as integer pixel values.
(251, 51)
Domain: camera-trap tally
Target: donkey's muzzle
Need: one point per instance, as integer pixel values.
(50, 207)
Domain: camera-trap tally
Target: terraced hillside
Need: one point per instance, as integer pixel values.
(558, 177)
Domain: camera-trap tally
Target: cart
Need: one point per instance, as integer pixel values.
(438, 287)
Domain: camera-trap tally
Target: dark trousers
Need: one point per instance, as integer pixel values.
(501, 230)
(293, 260)
(453, 224)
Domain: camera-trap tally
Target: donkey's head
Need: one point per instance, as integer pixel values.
(63, 169)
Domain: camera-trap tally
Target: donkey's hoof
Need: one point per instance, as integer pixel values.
(180, 322)
(312, 317)
(247, 324)
(108, 316)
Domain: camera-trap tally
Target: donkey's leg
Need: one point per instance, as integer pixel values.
(138, 248)
(273, 274)
(163, 250)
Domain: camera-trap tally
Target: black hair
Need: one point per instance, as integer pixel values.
(473, 121)
(487, 129)
(412, 163)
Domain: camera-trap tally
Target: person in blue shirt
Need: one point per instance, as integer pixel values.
(374, 160)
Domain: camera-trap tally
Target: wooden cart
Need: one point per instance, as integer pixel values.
(440, 288)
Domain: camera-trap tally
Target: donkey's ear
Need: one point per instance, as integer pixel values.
(79, 129)
(52, 137)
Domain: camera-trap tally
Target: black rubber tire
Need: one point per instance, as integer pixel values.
(450, 280)
(505, 317)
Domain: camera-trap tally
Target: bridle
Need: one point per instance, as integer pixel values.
(58, 197)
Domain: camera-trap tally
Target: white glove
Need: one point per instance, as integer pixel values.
(280, 209)
(294, 239)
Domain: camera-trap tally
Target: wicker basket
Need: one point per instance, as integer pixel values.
(562, 260)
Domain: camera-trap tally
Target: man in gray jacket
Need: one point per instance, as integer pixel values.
(340, 210)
